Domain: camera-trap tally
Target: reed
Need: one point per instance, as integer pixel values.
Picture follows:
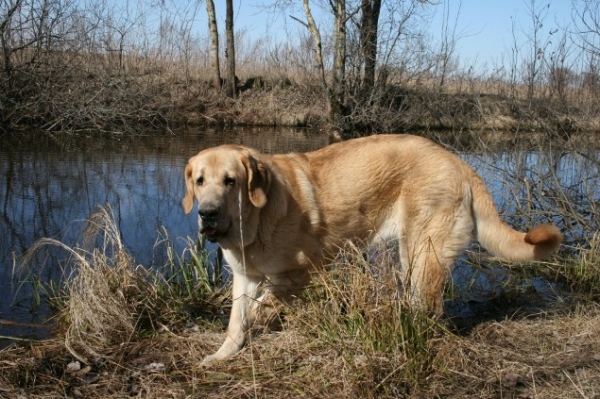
(579, 273)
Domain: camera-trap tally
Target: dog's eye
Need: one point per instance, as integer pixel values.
(200, 181)
(228, 181)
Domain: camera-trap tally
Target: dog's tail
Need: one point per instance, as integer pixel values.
(500, 239)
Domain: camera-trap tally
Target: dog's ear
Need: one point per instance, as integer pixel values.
(259, 180)
(188, 199)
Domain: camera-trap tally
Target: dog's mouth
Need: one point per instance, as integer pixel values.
(212, 233)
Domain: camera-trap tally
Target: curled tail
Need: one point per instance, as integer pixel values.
(500, 239)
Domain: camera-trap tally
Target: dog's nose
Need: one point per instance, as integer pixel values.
(208, 214)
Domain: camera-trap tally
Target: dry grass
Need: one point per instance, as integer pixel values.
(88, 92)
(105, 299)
(581, 273)
(123, 332)
(545, 357)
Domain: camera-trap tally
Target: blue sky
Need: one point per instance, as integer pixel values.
(487, 25)
(484, 27)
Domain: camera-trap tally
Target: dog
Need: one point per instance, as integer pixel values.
(276, 217)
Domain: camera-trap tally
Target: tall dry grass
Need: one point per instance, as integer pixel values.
(580, 272)
(106, 299)
(356, 309)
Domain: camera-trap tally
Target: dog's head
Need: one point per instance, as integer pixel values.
(229, 183)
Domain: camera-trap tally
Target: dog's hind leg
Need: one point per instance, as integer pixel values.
(428, 254)
(424, 273)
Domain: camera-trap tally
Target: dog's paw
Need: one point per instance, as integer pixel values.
(210, 360)
(217, 357)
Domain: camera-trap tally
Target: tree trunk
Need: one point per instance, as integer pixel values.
(339, 62)
(214, 45)
(370, 10)
(5, 39)
(314, 31)
(231, 81)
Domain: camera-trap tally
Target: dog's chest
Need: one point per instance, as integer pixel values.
(268, 263)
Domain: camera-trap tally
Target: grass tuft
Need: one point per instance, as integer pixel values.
(581, 271)
(357, 309)
(106, 299)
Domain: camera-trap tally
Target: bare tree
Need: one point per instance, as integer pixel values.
(11, 9)
(333, 93)
(230, 54)
(344, 93)
(370, 10)
(230, 87)
(560, 74)
(119, 27)
(311, 25)
(339, 62)
(448, 43)
(586, 28)
(586, 23)
(535, 58)
(214, 45)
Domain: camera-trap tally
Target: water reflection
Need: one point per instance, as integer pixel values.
(531, 187)
(49, 187)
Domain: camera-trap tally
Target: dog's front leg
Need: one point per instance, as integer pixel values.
(245, 292)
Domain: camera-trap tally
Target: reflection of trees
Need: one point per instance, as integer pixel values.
(530, 187)
(52, 191)
(48, 187)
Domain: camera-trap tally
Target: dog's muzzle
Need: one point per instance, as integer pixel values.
(208, 218)
(209, 215)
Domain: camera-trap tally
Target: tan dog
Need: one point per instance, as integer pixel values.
(278, 216)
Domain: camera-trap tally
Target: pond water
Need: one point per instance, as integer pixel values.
(48, 187)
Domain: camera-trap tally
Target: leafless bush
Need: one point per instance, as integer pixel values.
(92, 66)
(88, 65)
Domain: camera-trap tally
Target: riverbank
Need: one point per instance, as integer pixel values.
(154, 103)
(398, 110)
